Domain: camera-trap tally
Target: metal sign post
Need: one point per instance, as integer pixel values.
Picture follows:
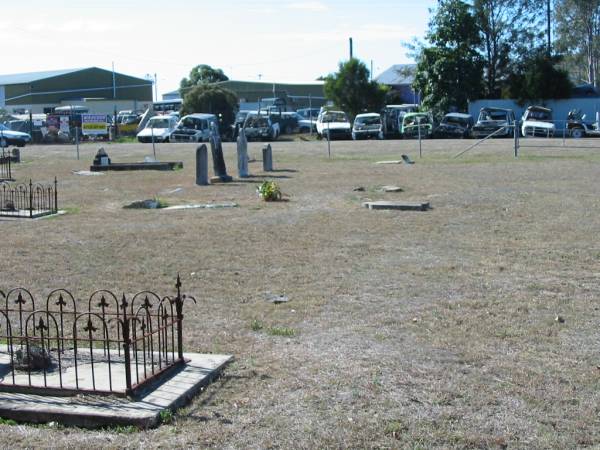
(328, 142)
(419, 127)
(77, 141)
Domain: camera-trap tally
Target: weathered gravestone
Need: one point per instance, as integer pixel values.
(217, 154)
(267, 158)
(242, 154)
(202, 165)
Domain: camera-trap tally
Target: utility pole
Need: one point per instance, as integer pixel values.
(549, 28)
(351, 49)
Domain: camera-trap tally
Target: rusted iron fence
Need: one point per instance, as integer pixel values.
(28, 200)
(5, 166)
(105, 345)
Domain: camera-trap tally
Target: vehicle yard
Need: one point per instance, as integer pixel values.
(472, 325)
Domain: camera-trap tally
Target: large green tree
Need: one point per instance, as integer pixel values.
(578, 37)
(509, 30)
(449, 67)
(538, 78)
(351, 89)
(210, 98)
(201, 74)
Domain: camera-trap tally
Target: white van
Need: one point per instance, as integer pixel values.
(158, 128)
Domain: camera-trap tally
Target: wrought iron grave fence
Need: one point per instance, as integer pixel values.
(104, 345)
(28, 200)
(5, 166)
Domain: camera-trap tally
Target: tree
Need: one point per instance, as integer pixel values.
(450, 70)
(201, 74)
(210, 98)
(538, 78)
(509, 30)
(578, 35)
(351, 90)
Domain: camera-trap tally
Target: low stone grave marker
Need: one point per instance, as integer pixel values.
(102, 162)
(400, 206)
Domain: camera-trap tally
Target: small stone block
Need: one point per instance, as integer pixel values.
(388, 162)
(223, 179)
(397, 206)
(391, 189)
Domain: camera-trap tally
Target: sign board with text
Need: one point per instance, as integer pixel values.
(94, 125)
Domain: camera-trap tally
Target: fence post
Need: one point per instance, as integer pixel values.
(55, 196)
(564, 134)
(30, 199)
(126, 345)
(179, 309)
(516, 126)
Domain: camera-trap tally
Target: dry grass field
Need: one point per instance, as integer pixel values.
(403, 329)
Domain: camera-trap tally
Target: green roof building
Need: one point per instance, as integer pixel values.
(102, 90)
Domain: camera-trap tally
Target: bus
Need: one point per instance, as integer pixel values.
(167, 106)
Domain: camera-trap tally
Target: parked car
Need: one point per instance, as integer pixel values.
(333, 125)
(367, 126)
(455, 125)
(578, 127)
(10, 137)
(494, 120)
(260, 126)
(417, 124)
(307, 119)
(158, 128)
(194, 128)
(309, 113)
(288, 121)
(537, 121)
(391, 118)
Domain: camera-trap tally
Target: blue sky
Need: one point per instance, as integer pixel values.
(284, 41)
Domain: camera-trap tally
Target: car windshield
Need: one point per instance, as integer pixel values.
(493, 115)
(191, 122)
(158, 123)
(334, 117)
(536, 114)
(412, 120)
(375, 120)
(257, 122)
(453, 120)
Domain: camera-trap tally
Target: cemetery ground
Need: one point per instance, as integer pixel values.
(475, 324)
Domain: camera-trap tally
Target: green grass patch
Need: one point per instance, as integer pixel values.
(256, 325)
(281, 331)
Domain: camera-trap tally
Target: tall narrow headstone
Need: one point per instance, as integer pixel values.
(242, 154)
(202, 165)
(267, 158)
(217, 155)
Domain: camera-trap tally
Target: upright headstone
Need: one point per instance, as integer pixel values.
(267, 158)
(202, 165)
(242, 154)
(217, 154)
(16, 154)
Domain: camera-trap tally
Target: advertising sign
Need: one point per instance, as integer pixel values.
(64, 124)
(93, 124)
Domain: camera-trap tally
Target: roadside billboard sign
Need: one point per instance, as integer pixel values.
(93, 124)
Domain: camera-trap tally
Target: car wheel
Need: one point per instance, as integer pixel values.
(577, 133)
(21, 144)
(288, 130)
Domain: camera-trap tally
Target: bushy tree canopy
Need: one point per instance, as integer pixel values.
(201, 74)
(449, 69)
(351, 90)
(209, 98)
(538, 78)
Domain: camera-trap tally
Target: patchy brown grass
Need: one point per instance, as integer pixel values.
(403, 329)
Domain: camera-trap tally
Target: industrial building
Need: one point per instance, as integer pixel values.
(101, 91)
(251, 93)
